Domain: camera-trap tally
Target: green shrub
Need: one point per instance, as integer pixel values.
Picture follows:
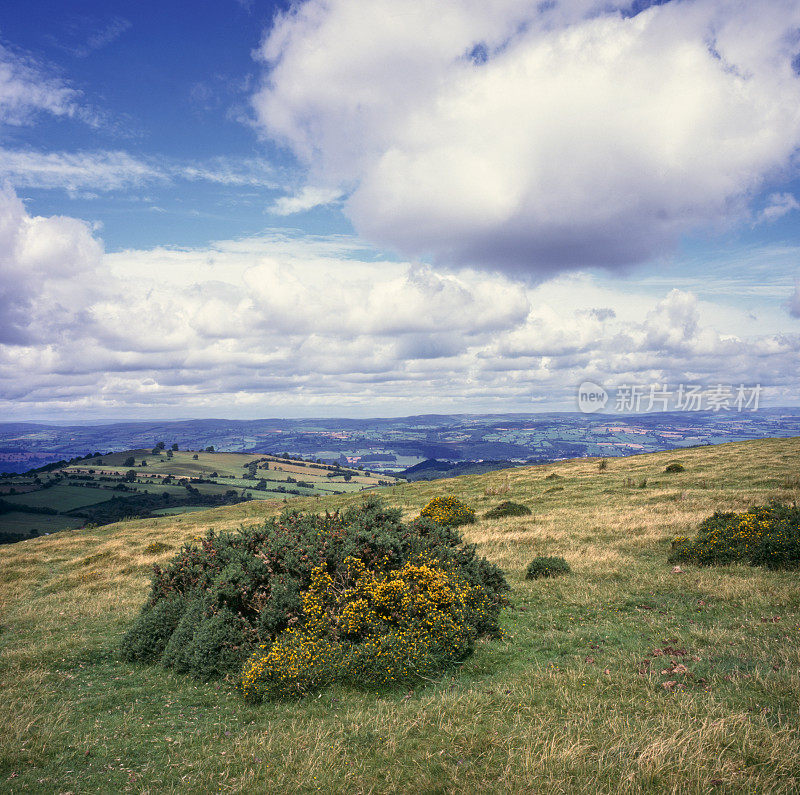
(508, 508)
(675, 467)
(217, 601)
(449, 511)
(149, 636)
(547, 567)
(763, 536)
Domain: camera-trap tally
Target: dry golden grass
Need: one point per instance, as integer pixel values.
(573, 701)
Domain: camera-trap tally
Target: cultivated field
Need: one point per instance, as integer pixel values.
(183, 479)
(574, 700)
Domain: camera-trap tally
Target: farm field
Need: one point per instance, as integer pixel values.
(62, 498)
(22, 523)
(99, 489)
(576, 698)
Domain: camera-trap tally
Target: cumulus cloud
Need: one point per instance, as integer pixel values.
(48, 267)
(275, 323)
(534, 136)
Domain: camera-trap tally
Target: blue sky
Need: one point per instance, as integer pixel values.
(171, 89)
(258, 209)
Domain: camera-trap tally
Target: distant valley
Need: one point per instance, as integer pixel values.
(395, 444)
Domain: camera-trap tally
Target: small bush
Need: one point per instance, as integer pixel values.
(156, 547)
(675, 467)
(553, 476)
(766, 536)
(602, 464)
(448, 511)
(547, 567)
(508, 508)
(217, 602)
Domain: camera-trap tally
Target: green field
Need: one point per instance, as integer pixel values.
(63, 497)
(573, 701)
(223, 471)
(179, 510)
(23, 523)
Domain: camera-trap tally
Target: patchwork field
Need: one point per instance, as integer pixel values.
(576, 699)
(105, 488)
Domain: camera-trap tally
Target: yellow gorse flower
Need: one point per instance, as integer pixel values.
(381, 629)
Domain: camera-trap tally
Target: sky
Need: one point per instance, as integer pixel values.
(387, 207)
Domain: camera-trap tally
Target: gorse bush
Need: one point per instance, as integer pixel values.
(763, 536)
(374, 630)
(448, 511)
(547, 567)
(219, 600)
(508, 508)
(156, 547)
(675, 467)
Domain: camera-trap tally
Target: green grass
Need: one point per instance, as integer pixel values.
(573, 701)
(62, 497)
(178, 510)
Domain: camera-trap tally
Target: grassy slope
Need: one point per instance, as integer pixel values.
(565, 705)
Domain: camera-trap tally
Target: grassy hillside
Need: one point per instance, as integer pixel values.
(572, 701)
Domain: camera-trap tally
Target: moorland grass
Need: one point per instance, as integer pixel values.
(587, 693)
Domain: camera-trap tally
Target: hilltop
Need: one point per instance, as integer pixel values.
(573, 700)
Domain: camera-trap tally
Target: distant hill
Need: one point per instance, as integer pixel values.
(401, 442)
(433, 469)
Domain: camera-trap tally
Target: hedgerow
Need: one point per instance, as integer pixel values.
(229, 595)
(767, 535)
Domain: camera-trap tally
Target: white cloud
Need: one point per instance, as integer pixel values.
(307, 199)
(102, 36)
(778, 205)
(26, 88)
(119, 170)
(793, 304)
(74, 171)
(275, 323)
(48, 269)
(582, 135)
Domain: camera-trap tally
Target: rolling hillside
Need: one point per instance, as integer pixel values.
(573, 700)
